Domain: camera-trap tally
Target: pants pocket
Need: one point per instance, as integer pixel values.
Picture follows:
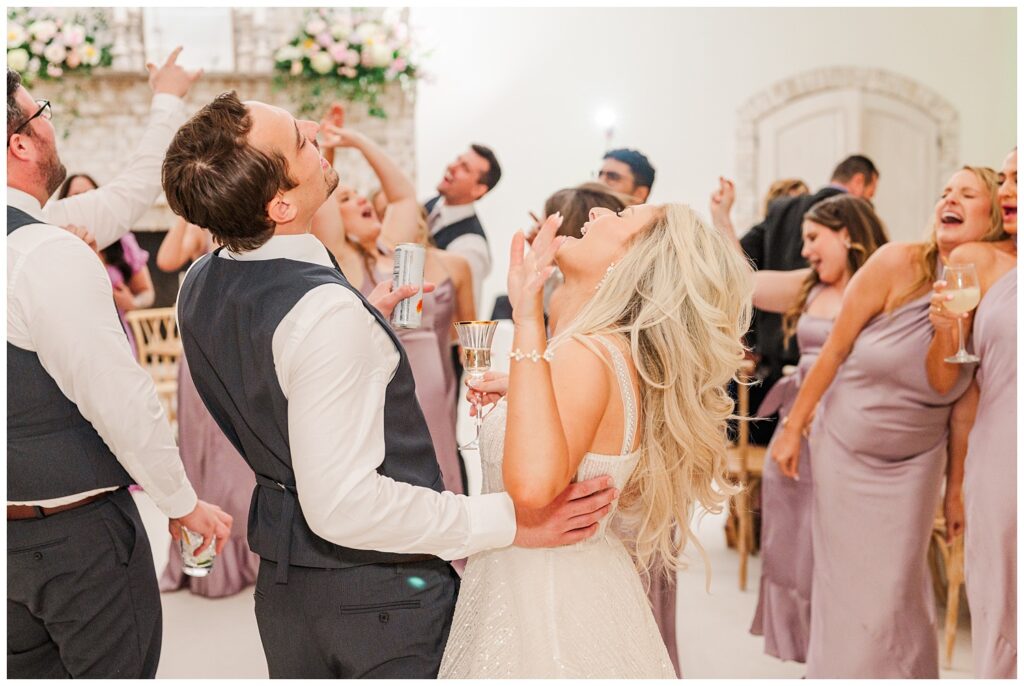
(381, 607)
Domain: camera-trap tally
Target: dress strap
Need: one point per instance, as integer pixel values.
(626, 389)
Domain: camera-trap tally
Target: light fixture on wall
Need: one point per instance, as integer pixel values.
(605, 118)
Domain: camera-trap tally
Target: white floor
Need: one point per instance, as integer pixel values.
(218, 638)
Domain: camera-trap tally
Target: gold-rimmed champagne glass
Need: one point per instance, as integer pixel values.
(961, 283)
(475, 338)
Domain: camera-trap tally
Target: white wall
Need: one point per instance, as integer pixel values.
(528, 81)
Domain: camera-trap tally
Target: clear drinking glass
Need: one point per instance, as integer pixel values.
(475, 339)
(962, 283)
(196, 562)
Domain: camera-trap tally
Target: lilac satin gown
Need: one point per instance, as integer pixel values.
(783, 614)
(990, 487)
(879, 445)
(220, 476)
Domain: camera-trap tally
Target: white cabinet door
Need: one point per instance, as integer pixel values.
(808, 136)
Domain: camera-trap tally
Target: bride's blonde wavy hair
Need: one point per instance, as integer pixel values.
(681, 296)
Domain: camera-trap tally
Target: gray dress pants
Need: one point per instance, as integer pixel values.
(82, 596)
(373, 621)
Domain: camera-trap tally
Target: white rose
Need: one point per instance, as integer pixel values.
(90, 55)
(16, 34)
(368, 29)
(379, 54)
(74, 35)
(341, 28)
(43, 30)
(55, 53)
(34, 65)
(17, 59)
(288, 53)
(315, 26)
(322, 63)
(37, 47)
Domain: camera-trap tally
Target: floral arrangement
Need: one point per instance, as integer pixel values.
(346, 53)
(48, 43)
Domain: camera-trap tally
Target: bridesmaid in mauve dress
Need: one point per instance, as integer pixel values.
(990, 468)
(839, 235)
(990, 487)
(879, 441)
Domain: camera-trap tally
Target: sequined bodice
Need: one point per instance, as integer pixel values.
(620, 467)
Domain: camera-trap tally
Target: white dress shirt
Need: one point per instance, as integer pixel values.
(334, 362)
(60, 306)
(471, 246)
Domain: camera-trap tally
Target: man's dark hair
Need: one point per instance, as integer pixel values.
(214, 178)
(853, 165)
(14, 113)
(490, 177)
(643, 171)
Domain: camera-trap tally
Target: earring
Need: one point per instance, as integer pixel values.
(607, 273)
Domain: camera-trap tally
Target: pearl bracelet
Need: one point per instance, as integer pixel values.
(533, 356)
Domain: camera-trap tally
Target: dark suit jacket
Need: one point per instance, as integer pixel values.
(776, 243)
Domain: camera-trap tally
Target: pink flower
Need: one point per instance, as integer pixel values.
(53, 70)
(352, 58)
(325, 39)
(348, 72)
(399, 65)
(339, 51)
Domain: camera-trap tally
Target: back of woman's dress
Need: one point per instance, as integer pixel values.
(990, 487)
(879, 445)
(783, 614)
(577, 611)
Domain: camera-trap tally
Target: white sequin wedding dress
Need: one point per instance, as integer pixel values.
(577, 611)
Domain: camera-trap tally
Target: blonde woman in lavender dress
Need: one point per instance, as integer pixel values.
(628, 388)
(840, 234)
(989, 472)
(879, 440)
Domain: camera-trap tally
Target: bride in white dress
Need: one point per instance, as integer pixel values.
(633, 386)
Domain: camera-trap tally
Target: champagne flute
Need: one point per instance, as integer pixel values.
(475, 339)
(962, 284)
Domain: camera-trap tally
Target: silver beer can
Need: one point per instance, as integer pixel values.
(409, 259)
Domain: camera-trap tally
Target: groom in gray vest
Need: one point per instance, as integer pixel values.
(308, 381)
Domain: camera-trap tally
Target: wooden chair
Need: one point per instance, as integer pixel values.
(745, 463)
(951, 557)
(159, 349)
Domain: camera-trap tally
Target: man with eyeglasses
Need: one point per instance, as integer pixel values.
(83, 418)
(627, 171)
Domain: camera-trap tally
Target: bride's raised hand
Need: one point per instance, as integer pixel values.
(528, 271)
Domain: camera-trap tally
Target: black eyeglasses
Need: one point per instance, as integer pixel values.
(44, 111)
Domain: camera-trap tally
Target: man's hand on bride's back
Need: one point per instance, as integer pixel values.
(572, 517)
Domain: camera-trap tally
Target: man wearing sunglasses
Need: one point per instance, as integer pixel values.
(83, 419)
(627, 171)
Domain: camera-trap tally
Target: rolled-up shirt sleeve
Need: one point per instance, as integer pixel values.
(62, 297)
(335, 374)
(118, 205)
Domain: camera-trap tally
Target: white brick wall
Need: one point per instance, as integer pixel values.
(101, 119)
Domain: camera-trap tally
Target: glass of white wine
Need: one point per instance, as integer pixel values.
(961, 283)
(475, 339)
